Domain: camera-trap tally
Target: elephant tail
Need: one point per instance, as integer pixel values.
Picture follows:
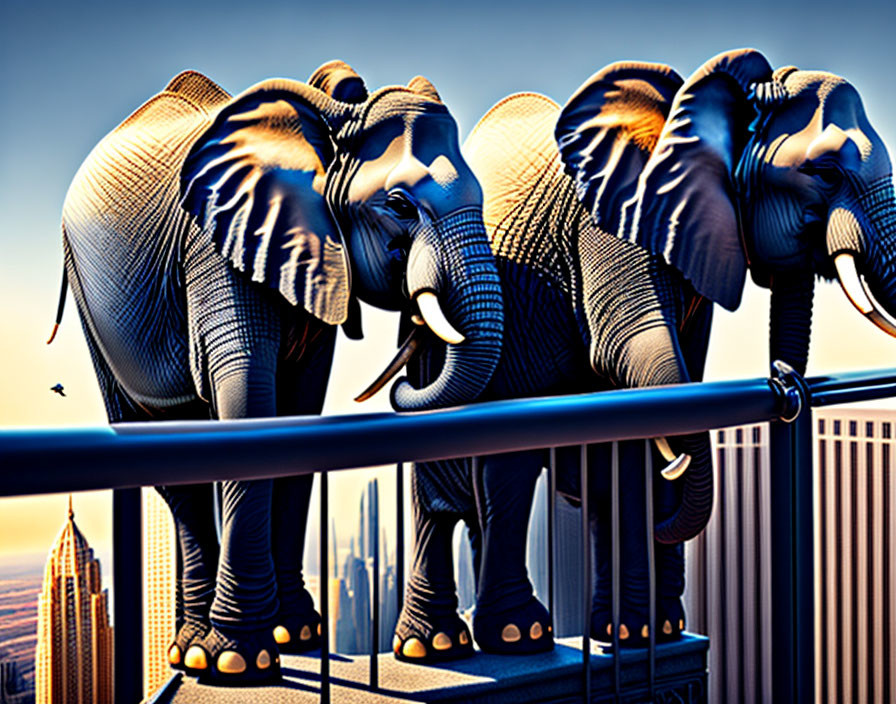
(60, 309)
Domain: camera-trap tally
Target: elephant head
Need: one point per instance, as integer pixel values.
(330, 195)
(738, 167)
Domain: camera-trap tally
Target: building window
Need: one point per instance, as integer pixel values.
(869, 429)
(853, 428)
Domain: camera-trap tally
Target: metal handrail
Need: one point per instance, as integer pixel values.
(38, 461)
(121, 457)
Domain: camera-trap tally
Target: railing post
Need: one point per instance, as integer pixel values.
(399, 537)
(324, 591)
(792, 559)
(587, 587)
(373, 508)
(127, 592)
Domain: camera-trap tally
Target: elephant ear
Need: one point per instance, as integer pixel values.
(607, 131)
(255, 181)
(685, 208)
(340, 81)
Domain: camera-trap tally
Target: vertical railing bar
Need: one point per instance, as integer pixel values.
(324, 593)
(651, 569)
(614, 503)
(586, 576)
(127, 553)
(399, 536)
(374, 509)
(552, 518)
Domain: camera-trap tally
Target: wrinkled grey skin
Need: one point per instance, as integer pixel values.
(616, 223)
(213, 244)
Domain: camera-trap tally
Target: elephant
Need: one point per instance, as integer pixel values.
(617, 222)
(213, 244)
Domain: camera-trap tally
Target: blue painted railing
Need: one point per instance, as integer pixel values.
(124, 457)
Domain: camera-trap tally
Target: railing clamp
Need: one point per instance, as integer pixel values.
(791, 388)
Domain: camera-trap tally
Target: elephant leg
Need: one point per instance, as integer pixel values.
(240, 647)
(633, 572)
(670, 616)
(429, 628)
(298, 624)
(508, 618)
(301, 389)
(192, 508)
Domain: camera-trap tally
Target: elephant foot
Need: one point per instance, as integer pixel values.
(633, 629)
(298, 633)
(670, 616)
(190, 633)
(244, 659)
(517, 631)
(437, 639)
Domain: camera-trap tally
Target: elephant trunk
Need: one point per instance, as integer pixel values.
(790, 318)
(452, 259)
(695, 508)
(649, 358)
(879, 208)
(861, 236)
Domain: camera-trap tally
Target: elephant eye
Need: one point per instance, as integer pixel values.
(401, 206)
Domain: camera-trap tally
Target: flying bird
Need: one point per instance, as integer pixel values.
(58, 389)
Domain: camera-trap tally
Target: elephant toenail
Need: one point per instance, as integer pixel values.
(318, 629)
(609, 629)
(305, 634)
(441, 641)
(681, 624)
(645, 632)
(623, 631)
(195, 658)
(263, 661)
(667, 628)
(413, 648)
(231, 662)
(550, 629)
(281, 635)
(463, 638)
(511, 634)
(396, 644)
(174, 655)
(536, 631)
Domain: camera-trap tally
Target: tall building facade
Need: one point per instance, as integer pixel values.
(74, 637)
(159, 570)
(729, 592)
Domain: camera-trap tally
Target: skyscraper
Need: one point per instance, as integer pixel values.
(74, 638)
(159, 566)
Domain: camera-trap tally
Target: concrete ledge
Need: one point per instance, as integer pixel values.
(496, 679)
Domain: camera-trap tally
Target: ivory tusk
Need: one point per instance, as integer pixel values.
(859, 295)
(435, 319)
(663, 446)
(677, 465)
(408, 347)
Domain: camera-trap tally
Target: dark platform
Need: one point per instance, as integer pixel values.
(496, 679)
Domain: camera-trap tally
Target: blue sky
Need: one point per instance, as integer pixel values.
(70, 72)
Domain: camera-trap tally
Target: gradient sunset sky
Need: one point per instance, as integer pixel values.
(70, 72)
